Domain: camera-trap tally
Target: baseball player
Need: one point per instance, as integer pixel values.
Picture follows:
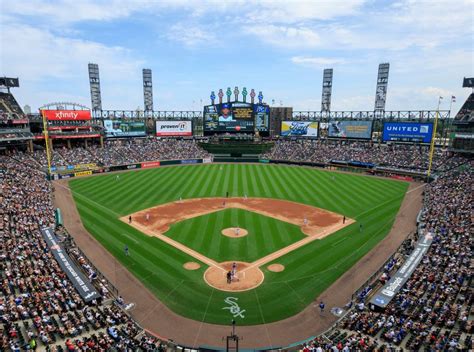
(234, 271)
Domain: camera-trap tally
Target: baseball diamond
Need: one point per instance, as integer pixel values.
(187, 210)
(278, 190)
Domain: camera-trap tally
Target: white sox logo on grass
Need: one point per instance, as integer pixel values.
(234, 308)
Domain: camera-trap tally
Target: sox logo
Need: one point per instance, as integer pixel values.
(234, 308)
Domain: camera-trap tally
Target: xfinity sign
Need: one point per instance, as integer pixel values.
(407, 132)
(67, 115)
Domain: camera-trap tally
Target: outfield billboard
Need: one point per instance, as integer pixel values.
(407, 132)
(67, 115)
(299, 128)
(350, 129)
(120, 128)
(174, 128)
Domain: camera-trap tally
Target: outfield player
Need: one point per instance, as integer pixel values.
(125, 249)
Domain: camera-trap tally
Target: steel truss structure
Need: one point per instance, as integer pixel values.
(420, 115)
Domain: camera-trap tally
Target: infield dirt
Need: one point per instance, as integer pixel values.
(316, 223)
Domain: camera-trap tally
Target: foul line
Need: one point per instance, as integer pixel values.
(292, 247)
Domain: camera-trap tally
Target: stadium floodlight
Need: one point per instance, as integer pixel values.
(326, 90)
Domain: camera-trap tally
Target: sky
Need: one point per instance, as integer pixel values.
(279, 47)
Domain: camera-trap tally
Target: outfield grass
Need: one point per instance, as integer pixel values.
(309, 270)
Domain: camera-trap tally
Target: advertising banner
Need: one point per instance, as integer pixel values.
(407, 132)
(299, 128)
(191, 161)
(86, 290)
(84, 166)
(383, 297)
(350, 129)
(82, 173)
(150, 164)
(120, 128)
(67, 115)
(174, 128)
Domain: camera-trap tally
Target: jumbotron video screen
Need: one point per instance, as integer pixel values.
(236, 117)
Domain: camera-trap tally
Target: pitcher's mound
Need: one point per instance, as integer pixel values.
(235, 232)
(246, 278)
(191, 266)
(276, 268)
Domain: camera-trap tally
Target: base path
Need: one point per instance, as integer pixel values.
(316, 223)
(191, 333)
(311, 219)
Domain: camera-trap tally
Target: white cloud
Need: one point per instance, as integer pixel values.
(70, 11)
(284, 11)
(286, 36)
(44, 59)
(191, 35)
(317, 62)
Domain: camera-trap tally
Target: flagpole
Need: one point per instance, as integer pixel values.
(433, 140)
(445, 142)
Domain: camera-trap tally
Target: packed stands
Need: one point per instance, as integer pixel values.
(121, 152)
(400, 156)
(9, 107)
(39, 307)
(433, 311)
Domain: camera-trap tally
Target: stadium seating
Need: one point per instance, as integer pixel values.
(400, 156)
(9, 105)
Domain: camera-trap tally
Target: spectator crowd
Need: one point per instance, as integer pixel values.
(121, 152)
(399, 156)
(39, 306)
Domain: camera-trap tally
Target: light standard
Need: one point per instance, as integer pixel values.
(433, 139)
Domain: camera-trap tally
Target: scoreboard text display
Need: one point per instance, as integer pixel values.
(235, 117)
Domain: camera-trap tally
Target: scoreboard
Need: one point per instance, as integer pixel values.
(236, 117)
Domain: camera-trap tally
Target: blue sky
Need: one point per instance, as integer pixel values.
(279, 47)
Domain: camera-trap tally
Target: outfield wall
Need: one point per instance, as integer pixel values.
(335, 165)
(134, 166)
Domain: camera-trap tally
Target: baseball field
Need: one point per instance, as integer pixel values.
(292, 232)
